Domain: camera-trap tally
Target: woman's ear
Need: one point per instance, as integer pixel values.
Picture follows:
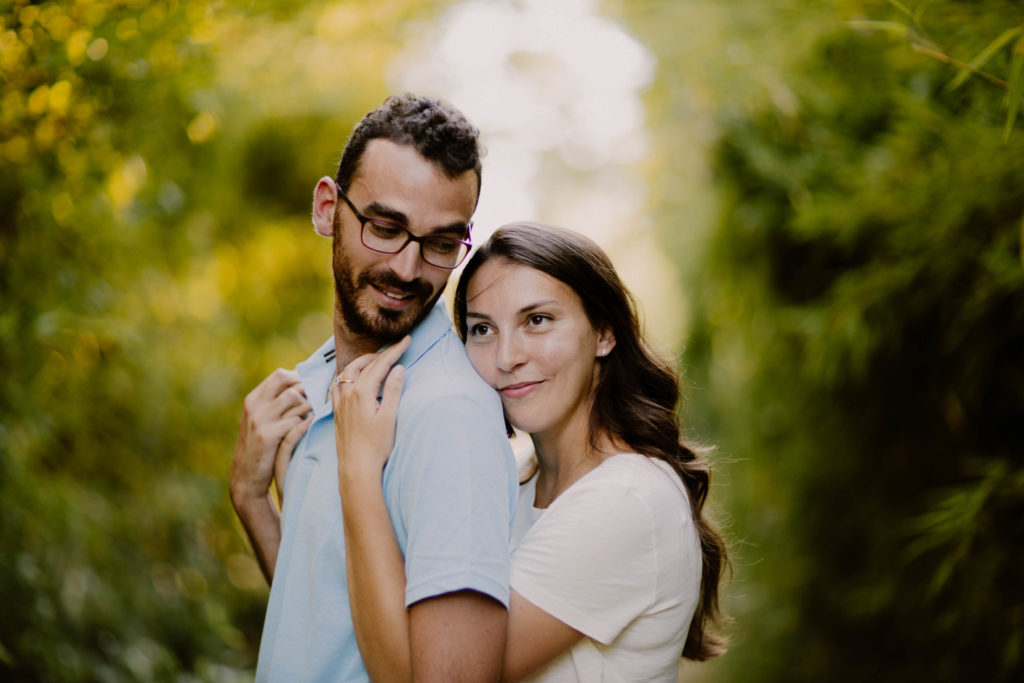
(605, 342)
(325, 199)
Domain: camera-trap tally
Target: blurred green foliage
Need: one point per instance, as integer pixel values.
(842, 185)
(850, 237)
(157, 161)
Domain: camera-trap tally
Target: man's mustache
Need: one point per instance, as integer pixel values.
(388, 280)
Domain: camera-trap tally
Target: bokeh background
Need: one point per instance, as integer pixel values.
(820, 206)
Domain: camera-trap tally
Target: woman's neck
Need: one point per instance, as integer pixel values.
(564, 456)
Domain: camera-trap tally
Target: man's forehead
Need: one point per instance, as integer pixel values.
(381, 155)
(395, 182)
(386, 159)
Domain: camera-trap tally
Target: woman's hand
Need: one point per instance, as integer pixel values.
(365, 428)
(365, 433)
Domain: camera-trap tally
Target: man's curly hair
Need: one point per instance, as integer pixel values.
(438, 131)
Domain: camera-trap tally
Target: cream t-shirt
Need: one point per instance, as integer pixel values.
(615, 557)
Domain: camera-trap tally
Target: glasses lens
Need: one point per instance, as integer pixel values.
(384, 237)
(388, 238)
(443, 252)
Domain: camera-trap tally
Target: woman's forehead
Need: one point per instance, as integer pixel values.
(512, 283)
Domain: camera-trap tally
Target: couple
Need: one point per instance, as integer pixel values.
(400, 498)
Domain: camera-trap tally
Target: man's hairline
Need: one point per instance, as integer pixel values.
(357, 167)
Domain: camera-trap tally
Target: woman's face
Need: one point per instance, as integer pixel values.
(529, 338)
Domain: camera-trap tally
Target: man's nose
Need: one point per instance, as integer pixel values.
(407, 263)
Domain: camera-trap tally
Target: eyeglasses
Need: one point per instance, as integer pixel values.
(386, 237)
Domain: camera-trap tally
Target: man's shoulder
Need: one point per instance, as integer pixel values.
(444, 375)
(445, 400)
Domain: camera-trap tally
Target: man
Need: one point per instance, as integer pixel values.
(399, 214)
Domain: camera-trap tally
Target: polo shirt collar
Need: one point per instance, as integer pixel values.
(317, 372)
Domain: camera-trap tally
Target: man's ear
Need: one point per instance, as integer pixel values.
(605, 341)
(325, 198)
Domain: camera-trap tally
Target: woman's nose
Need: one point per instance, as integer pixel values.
(510, 353)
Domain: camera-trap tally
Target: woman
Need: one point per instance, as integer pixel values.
(615, 571)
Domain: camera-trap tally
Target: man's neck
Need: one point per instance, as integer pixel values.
(349, 346)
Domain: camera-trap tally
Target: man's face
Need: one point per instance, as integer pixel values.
(383, 296)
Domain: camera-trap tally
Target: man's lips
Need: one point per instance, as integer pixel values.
(395, 297)
(393, 292)
(518, 390)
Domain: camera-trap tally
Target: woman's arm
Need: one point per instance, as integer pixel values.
(365, 433)
(272, 423)
(376, 581)
(535, 638)
(590, 563)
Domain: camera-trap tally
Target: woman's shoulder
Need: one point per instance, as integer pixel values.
(632, 472)
(629, 506)
(627, 486)
(650, 494)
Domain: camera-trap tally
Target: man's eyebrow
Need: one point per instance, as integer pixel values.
(458, 230)
(378, 210)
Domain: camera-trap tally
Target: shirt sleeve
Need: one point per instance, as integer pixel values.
(590, 560)
(456, 501)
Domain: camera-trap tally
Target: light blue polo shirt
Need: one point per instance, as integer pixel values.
(450, 488)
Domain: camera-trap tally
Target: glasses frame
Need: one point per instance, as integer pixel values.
(409, 237)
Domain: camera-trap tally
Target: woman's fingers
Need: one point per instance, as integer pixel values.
(366, 373)
(284, 451)
(354, 369)
(391, 354)
(284, 454)
(279, 388)
(365, 428)
(392, 392)
(377, 366)
(299, 409)
(291, 398)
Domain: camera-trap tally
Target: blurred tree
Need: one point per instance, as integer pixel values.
(156, 261)
(843, 186)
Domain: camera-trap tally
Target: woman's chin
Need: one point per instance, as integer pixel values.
(526, 426)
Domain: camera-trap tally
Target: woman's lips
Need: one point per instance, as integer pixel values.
(518, 390)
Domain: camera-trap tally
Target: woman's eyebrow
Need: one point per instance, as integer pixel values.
(521, 312)
(540, 304)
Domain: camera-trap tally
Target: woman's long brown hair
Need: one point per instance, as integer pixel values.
(637, 393)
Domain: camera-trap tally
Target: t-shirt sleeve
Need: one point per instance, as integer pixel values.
(590, 560)
(456, 501)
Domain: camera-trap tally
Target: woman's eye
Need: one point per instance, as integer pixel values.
(538, 319)
(478, 330)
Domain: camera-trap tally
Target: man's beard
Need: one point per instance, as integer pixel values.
(382, 324)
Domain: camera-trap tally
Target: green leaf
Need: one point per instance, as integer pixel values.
(1016, 86)
(983, 56)
(919, 12)
(892, 27)
(901, 7)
